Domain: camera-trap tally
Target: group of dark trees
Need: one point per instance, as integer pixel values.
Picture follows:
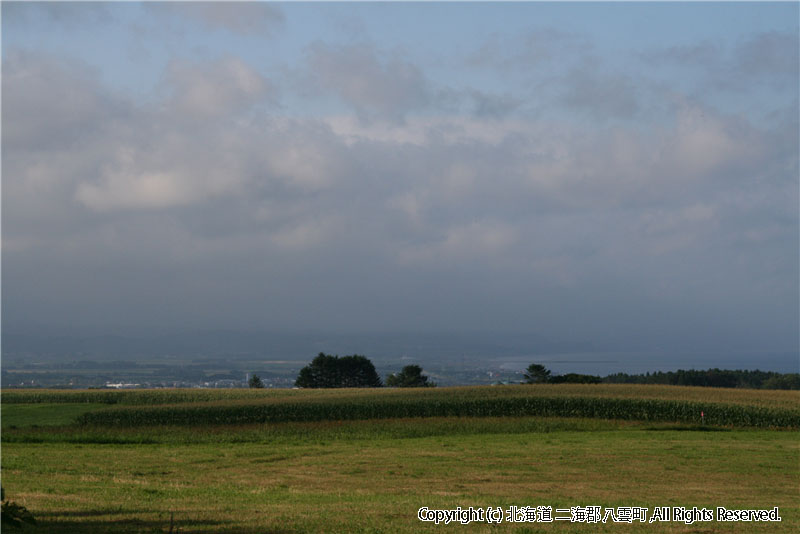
(539, 374)
(718, 378)
(355, 371)
(326, 371)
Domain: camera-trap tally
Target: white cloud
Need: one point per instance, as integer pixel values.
(703, 143)
(215, 89)
(141, 190)
(304, 154)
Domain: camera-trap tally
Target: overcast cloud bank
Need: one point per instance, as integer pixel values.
(357, 189)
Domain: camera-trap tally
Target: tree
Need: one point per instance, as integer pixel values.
(326, 371)
(536, 374)
(410, 377)
(255, 381)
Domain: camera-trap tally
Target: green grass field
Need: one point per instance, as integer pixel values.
(355, 475)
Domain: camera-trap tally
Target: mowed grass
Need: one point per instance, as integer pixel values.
(325, 431)
(44, 414)
(326, 480)
(373, 475)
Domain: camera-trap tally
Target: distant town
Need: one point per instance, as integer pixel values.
(210, 373)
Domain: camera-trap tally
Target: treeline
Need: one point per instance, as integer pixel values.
(327, 371)
(715, 378)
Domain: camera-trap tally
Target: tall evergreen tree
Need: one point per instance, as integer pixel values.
(410, 377)
(536, 374)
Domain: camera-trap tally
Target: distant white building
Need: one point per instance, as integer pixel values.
(121, 385)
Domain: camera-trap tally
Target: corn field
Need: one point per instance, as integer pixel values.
(404, 407)
(739, 408)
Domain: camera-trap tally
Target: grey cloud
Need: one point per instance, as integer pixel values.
(483, 104)
(771, 55)
(770, 58)
(60, 14)
(55, 102)
(238, 17)
(280, 222)
(556, 69)
(488, 105)
(704, 54)
(524, 51)
(599, 94)
(374, 86)
(486, 54)
(551, 42)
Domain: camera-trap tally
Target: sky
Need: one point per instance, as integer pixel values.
(623, 174)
